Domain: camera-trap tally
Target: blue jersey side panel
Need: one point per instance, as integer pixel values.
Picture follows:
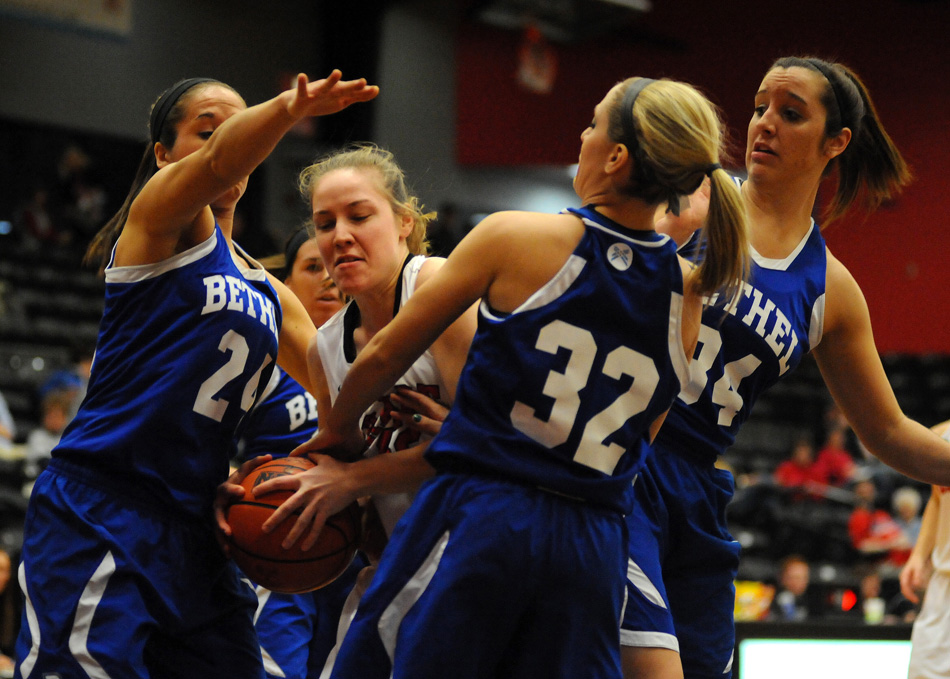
(559, 394)
(184, 346)
(284, 419)
(744, 352)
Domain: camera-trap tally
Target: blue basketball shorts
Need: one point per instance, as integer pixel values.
(114, 589)
(488, 578)
(297, 631)
(683, 564)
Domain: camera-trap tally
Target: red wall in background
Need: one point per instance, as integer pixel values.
(901, 49)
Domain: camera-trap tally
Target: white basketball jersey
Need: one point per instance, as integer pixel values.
(383, 433)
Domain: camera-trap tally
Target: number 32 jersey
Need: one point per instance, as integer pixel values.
(743, 352)
(560, 393)
(184, 346)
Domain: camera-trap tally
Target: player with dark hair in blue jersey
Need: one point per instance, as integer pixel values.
(122, 573)
(509, 562)
(296, 631)
(810, 116)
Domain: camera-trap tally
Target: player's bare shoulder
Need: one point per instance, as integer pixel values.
(845, 304)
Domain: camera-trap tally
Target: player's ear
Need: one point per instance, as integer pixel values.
(618, 159)
(161, 154)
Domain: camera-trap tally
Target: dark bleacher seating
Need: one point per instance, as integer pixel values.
(48, 304)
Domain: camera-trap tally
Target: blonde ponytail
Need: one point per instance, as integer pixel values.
(676, 138)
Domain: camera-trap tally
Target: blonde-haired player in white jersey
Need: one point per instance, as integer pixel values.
(930, 638)
(370, 231)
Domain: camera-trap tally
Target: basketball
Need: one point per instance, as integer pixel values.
(261, 556)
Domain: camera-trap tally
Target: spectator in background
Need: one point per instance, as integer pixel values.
(834, 462)
(791, 602)
(81, 199)
(870, 605)
(9, 612)
(800, 471)
(54, 416)
(873, 531)
(72, 381)
(7, 426)
(35, 223)
(905, 503)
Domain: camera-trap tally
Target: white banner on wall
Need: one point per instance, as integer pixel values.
(109, 16)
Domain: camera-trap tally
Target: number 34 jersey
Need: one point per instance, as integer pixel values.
(742, 352)
(560, 393)
(184, 347)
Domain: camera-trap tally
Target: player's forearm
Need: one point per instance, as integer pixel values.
(245, 140)
(399, 472)
(927, 537)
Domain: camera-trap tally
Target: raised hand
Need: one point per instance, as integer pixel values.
(326, 96)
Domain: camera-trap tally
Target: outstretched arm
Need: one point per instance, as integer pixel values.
(175, 195)
(296, 332)
(852, 370)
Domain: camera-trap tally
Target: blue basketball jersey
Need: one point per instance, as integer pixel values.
(560, 393)
(296, 631)
(745, 350)
(285, 417)
(183, 347)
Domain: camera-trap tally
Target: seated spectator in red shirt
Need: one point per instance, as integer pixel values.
(801, 471)
(873, 531)
(834, 461)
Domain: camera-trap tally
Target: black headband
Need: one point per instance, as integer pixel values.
(626, 112)
(827, 71)
(630, 139)
(164, 104)
(644, 173)
(299, 237)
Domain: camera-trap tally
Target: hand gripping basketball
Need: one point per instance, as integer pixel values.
(262, 557)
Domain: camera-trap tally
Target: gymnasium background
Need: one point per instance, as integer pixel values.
(476, 132)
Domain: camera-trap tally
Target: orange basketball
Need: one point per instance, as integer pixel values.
(261, 556)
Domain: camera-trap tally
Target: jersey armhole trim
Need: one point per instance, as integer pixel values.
(816, 326)
(140, 272)
(677, 353)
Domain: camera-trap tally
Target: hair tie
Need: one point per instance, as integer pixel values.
(673, 204)
(168, 99)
